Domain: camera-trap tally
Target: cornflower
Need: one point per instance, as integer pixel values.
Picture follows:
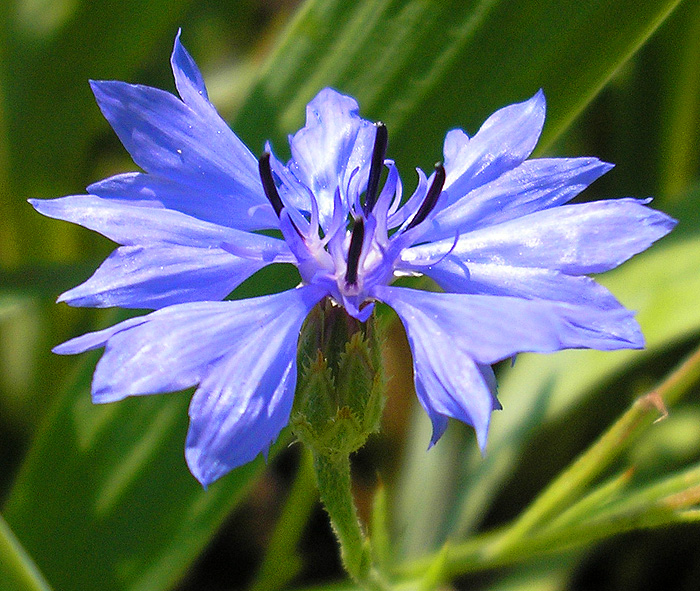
(491, 227)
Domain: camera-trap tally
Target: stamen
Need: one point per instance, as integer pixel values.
(268, 183)
(354, 251)
(381, 141)
(431, 197)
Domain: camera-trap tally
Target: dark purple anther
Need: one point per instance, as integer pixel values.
(268, 183)
(381, 140)
(431, 197)
(358, 236)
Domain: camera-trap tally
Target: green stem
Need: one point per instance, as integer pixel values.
(573, 480)
(17, 570)
(469, 557)
(333, 477)
(547, 527)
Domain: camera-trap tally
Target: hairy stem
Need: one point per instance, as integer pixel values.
(333, 476)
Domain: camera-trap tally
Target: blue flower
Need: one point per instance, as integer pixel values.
(489, 226)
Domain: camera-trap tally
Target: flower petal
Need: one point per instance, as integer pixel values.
(212, 205)
(129, 223)
(534, 185)
(157, 276)
(334, 142)
(450, 384)
(492, 328)
(522, 282)
(575, 239)
(97, 339)
(167, 138)
(243, 404)
(292, 191)
(504, 141)
(179, 346)
(188, 79)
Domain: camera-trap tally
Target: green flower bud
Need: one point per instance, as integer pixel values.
(341, 387)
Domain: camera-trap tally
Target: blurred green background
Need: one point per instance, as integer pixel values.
(100, 497)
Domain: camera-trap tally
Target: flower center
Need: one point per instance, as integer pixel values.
(358, 248)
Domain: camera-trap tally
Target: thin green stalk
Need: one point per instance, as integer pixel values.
(678, 492)
(578, 475)
(17, 569)
(574, 479)
(578, 536)
(592, 502)
(281, 562)
(469, 557)
(651, 507)
(684, 377)
(334, 485)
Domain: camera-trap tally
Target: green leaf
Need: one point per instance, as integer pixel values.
(17, 571)
(105, 498)
(52, 49)
(680, 142)
(424, 67)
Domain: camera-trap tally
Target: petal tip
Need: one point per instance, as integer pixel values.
(204, 475)
(41, 205)
(97, 86)
(103, 397)
(604, 166)
(178, 47)
(538, 102)
(482, 439)
(61, 350)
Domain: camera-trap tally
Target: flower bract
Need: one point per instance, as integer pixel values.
(493, 229)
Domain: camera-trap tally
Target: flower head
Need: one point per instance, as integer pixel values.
(490, 227)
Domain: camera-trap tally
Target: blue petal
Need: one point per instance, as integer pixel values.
(504, 141)
(96, 340)
(334, 142)
(130, 223)
(450, 384)
(167, 138)
(575, 239)
(188, 78)
(178, 347)
(522, 282)
(156, 276)
(245, 401)
(492, 328)
(291, 190)
(534, 185)
(243, 404)
(212, 205)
